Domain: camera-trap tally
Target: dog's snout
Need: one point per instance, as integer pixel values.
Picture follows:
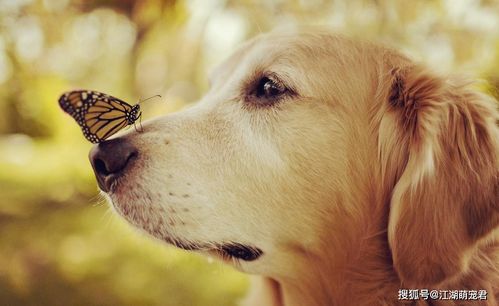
(109, 160)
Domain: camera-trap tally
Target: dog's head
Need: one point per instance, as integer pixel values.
(304, 144)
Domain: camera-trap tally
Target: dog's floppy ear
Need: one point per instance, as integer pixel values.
(440, 141)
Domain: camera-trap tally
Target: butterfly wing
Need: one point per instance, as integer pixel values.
(99, 115)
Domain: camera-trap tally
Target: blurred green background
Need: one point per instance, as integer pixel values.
(59, 242)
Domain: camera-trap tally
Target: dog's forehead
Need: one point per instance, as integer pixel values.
(268, 50)
(229, 63)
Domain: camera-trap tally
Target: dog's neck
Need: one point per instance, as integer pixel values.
(352, 266)
(358, 273)
(359, 270)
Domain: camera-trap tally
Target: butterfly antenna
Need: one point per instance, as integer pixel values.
(140, 114)
(156, 96)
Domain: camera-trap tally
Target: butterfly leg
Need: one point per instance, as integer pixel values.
(140, 123)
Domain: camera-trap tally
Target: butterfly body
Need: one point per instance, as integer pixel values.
(99, 115)
(133, 115)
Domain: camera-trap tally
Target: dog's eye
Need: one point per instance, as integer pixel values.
(267, 91)
(269, 88)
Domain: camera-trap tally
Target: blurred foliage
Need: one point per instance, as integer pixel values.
(59, 244)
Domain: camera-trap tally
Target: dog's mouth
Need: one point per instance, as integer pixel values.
(228, 250)
(225, 250)
(241, 251)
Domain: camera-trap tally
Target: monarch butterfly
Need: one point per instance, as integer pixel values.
(99, 115)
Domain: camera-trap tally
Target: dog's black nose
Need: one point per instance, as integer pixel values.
(109, 160)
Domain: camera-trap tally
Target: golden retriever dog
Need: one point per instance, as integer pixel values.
(338, 171)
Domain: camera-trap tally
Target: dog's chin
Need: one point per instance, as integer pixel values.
(224, 250)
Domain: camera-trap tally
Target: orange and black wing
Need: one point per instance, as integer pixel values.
(99, 115)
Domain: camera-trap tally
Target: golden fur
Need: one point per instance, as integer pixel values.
(375, 174)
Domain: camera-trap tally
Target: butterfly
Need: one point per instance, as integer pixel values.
(99, 115)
